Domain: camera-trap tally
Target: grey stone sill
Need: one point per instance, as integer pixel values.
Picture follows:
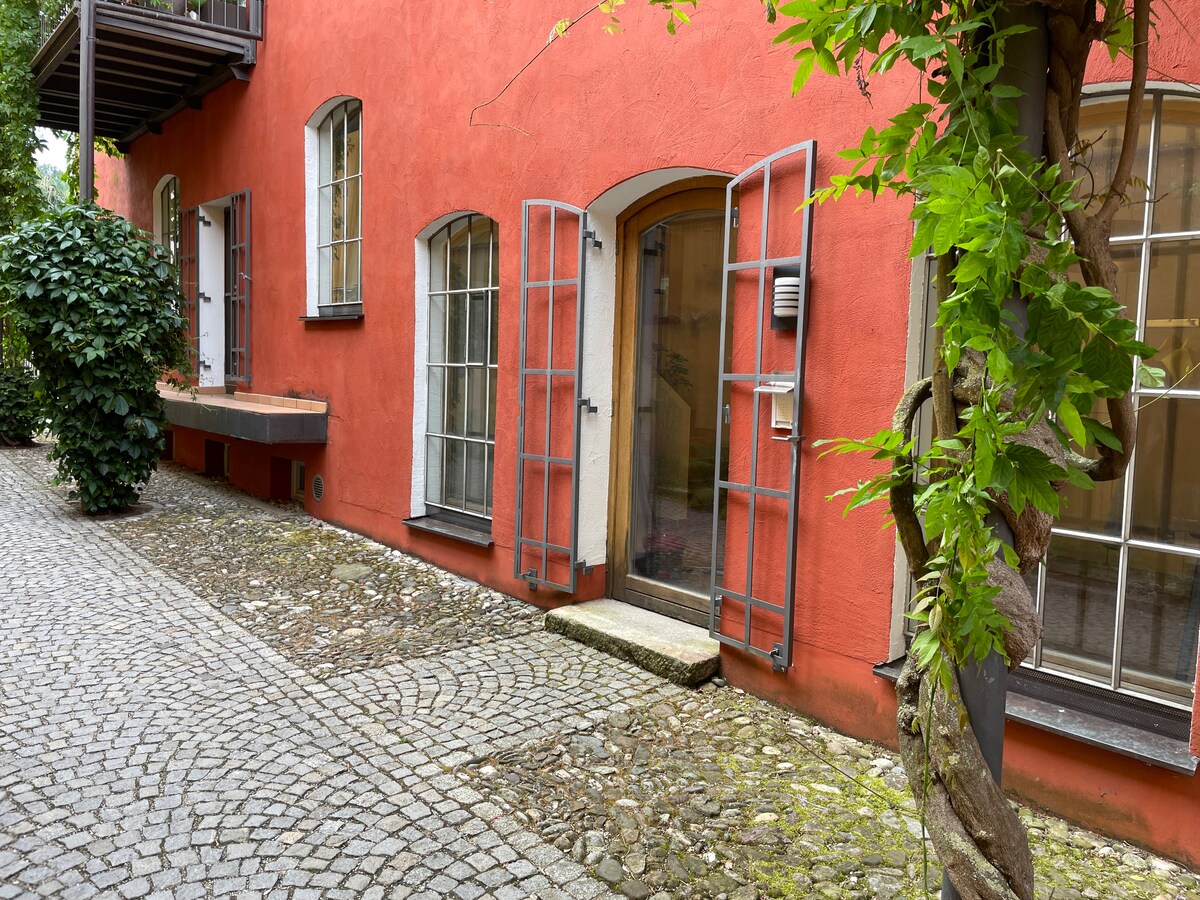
(1145, 746)
(450, 530)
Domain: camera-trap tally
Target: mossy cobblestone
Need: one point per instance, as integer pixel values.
(653, 790)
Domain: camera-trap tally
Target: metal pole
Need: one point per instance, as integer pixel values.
(87, 100)
(984, 685)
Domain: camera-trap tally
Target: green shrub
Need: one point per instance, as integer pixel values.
(99, 307)
(21, 415)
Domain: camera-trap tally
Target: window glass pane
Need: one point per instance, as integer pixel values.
(1101, 127)
(477, 405)
(339, 142)
(476, 481)
(481, 249)
(478, 336)
(456, 400)
(325, 215)
(1173, 311)
(458, 255)
(1080, 607)
(351, 227)
(455, 460)
(1162, 620)
(325, 151)
(456, 340)
(1100, 509)
(495, 328)
(353, 143)
(437, 397)
(491, 428)
(1177, 179)
(353, 272)
(434, 447)
(490, 471)
(437, 328)
(338, 273)
(337, 205)
(437, 262)
(325, 274)
(1166, 484)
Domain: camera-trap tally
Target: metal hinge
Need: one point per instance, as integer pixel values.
(725, 413)
(585, 403)
(530, 578)
(591, 237)
(734, 216)
(716, 604)
(777, 658)
(582, 566)
(203, 297)
(203, 220)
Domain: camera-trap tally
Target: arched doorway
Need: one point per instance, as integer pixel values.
(668, 356)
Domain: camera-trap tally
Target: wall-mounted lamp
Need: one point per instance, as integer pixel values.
(786, 285)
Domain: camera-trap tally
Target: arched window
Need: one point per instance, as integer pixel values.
(334, 157)
(460, 428)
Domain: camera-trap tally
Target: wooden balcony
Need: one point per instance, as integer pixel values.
(153, 59)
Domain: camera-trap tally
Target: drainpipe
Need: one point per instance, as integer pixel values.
(984, 685)
(87, 100)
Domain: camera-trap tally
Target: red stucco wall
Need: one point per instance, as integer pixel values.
(592, 112)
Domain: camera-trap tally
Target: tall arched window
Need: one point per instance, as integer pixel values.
(334, 158)
(461, 415)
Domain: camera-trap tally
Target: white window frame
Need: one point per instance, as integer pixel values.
(422, 366)
(167, 183)
(316, 305)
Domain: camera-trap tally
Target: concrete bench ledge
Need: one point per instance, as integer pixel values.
(677, 651)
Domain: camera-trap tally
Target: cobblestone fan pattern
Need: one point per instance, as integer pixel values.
(150, 746)
(223, 698)
(268, 567)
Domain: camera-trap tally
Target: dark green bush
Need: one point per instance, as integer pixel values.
(99, 307)
(21, 415)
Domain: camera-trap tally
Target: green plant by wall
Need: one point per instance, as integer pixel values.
(99, 306)
(21, 415)
(19, 195)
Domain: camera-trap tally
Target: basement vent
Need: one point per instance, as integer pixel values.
(318, 488)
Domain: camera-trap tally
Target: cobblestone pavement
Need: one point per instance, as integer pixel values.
(223, 697)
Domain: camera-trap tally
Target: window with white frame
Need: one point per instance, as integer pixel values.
(460, 426)
(334, 157)
(1119, 590)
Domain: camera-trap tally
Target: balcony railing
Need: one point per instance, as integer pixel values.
(240, 17)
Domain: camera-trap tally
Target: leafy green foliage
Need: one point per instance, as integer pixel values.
(998, 212)
(21, 414)
(99, 306)
(19, 195)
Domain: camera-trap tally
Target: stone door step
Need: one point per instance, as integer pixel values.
(677, 651)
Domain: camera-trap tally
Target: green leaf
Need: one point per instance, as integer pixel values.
(1069, 416)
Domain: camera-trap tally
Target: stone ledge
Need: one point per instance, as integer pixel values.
(674, 650)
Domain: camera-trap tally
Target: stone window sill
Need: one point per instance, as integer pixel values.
(452, 530)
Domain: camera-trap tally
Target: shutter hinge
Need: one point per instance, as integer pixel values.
(585, 403)
(203, 297)
(590, 236)
(203, 220)
(777, 658)
(582, 566)
(734, 217)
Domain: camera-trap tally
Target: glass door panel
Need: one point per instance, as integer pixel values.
(675, 404)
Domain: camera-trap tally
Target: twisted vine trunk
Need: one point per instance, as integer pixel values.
(979, 839)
